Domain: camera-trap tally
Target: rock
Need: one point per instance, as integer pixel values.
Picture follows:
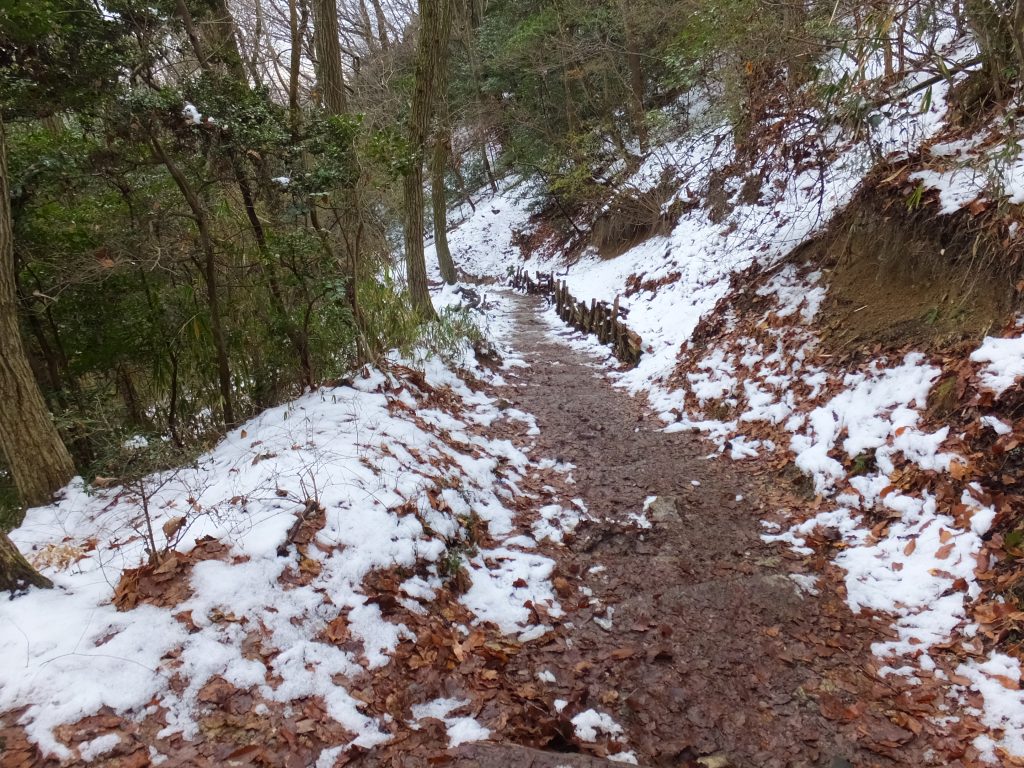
(664, 509)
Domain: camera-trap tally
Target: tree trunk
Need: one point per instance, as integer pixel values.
(298, 338)
(567, 96)
(331, 79)
(297, 28)
(382, 25)
(36, 455)
(16, 574)
(366, 29)
(997, 42)
(326, 41)
(431, 64)
(441, 151)
(216, 44)
(416, 270)
(638, 114)
(222, 44)
(439, 203)
(1017, 31)
(471, 20)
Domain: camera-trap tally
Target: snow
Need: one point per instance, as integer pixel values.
(589, 723)
(190, 113)
(555, 522)
(1004, 362)
(997, 425)
(998, 680)
(370, 452)
(437, 709)
(484, 238)
(872, 408)
(461, 730)
(969, 172)
(494, 596)
(806, 583)
(794, 295)
(98, 747)
(367, 453)
(624, 757)
(850, 434)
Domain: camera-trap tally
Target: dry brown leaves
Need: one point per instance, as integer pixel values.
(989, 461)
(166, 582)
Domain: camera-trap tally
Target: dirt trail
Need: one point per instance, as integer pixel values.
(713, 649)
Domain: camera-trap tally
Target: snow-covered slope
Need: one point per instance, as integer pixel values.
(266, 548)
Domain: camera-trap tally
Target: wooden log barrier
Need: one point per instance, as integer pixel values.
(600, 318)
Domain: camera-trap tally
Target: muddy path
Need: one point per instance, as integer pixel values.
(696, 638)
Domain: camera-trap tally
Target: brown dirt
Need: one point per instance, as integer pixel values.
(713, 657)
(898, 277)
(713, 650)
(632, 217)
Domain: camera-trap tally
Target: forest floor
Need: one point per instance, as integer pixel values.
(701, 644)
(679, 637)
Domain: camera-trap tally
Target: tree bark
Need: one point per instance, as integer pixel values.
(638, 113)
(997, 40)
(331, 79)
(222, 43)
(431, 64)
(297, 28)
(1017, 30)
(366, 29)
(382, 25)
(190, 31)
(16, 574)
(439, 202)
(36, 455)
(472, 17)
(297, 336)
(440, 154)
(416, 270)
(326, 41)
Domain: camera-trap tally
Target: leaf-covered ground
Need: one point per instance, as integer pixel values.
(607, 590)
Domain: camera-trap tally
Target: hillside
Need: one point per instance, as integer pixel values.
(849, 333)
(546, 384)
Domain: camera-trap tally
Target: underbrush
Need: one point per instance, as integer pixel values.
(392, 323)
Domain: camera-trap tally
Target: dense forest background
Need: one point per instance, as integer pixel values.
(215, 204)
